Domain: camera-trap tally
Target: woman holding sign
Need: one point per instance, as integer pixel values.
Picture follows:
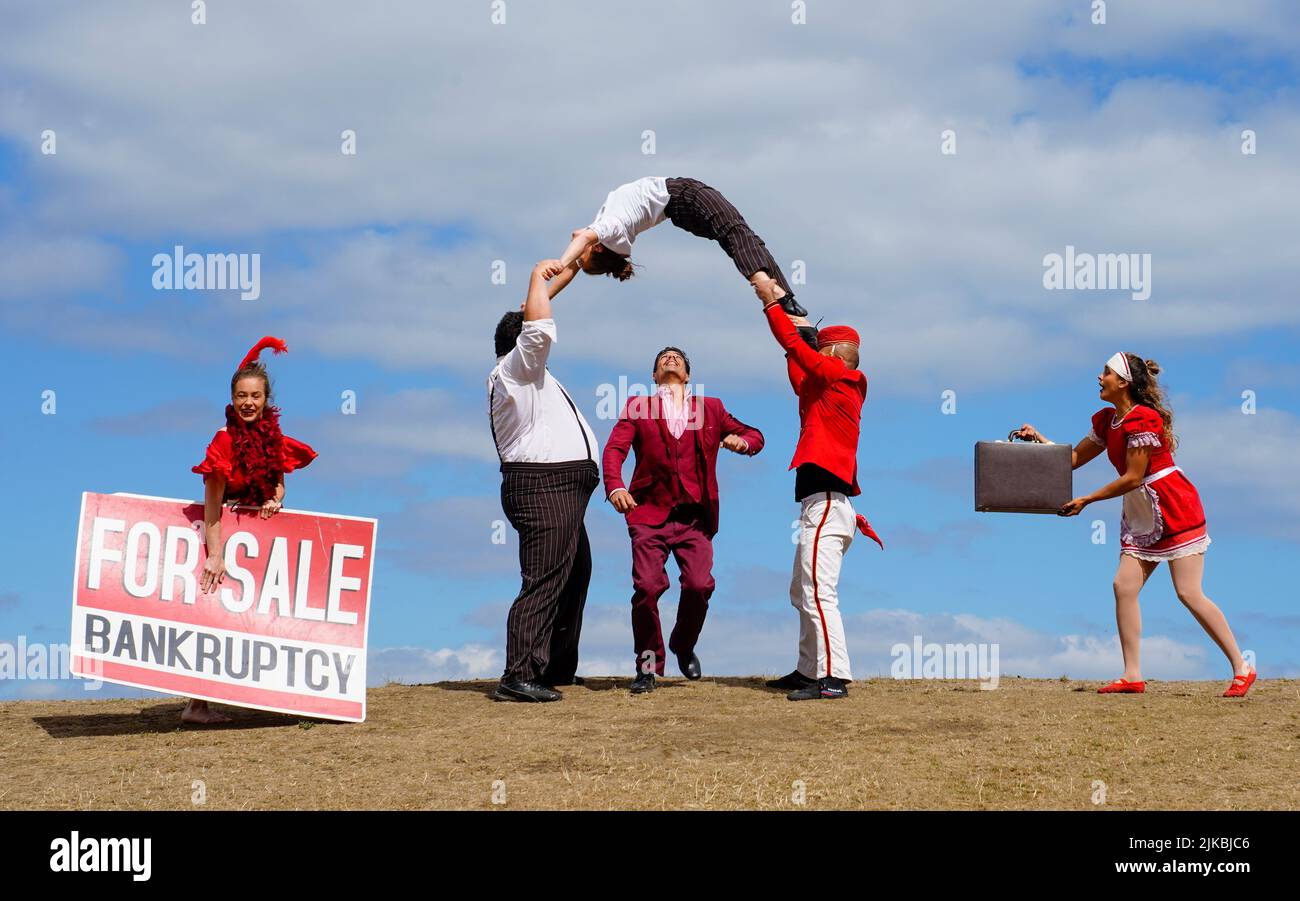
(244, 467)
(1163, 518)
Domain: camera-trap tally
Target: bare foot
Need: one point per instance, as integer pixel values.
(200, 713)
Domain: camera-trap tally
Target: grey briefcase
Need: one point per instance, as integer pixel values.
(1022, 477)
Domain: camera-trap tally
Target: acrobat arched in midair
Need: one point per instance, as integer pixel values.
(605, 246)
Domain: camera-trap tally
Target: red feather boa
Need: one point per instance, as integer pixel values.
(259, 452)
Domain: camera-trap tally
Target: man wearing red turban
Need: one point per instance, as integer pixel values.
(831, 393)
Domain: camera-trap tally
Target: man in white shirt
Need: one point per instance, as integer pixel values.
(548, 472)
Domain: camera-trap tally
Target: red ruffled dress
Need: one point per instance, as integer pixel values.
(1163, 517)
(220, 459)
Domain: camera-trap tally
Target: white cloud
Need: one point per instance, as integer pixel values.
(825, 135)
(1022, 651)
(35, 266)
(1242, 465)
(184, 415)
(421, 665)
(453, 535)
(411, 425)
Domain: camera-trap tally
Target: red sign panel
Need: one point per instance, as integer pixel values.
(285, 630)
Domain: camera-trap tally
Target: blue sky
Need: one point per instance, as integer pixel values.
(474, 145)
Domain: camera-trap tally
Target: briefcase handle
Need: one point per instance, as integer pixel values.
(1012, 436)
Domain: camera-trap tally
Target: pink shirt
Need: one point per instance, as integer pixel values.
(675, 415)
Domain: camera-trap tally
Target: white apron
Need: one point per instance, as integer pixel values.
(1141, 523)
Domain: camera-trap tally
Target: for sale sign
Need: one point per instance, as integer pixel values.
(285, 630)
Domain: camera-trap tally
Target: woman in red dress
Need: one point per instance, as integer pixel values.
(244, 466)
(1163, 518)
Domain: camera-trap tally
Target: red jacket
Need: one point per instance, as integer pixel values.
(654, 478)
(831, 396)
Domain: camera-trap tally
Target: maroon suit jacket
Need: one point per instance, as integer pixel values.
(653, 477)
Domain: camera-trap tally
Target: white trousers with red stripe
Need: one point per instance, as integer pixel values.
(827, 524)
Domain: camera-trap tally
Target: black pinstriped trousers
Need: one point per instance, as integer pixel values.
(703, 211)
(545, 502)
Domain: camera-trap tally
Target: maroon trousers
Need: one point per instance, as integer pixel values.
(683, 535)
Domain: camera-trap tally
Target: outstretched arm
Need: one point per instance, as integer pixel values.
(582, 239)
(1136, 459)
(526, 361)
(538, 303)
(1083, 452)
(559, 277)
(562, 271)
(813, 364)
(1080, 454)
(541, 292)
(214, 566)
(752, 437)
(616, 448)
(795, 372)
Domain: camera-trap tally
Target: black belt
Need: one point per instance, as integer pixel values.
(563, 466)
(810, 479)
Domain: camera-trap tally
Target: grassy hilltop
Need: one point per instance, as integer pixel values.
(713, 744)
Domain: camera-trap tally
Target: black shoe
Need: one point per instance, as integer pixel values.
(642, 683)
(524, 691)
(825, 687)
(792, 682)
(791, 306)
(808, 334)
(690, 666)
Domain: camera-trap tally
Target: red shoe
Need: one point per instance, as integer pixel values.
(1240, 685)
(1123, 686)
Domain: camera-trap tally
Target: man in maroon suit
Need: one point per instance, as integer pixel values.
(671, 505)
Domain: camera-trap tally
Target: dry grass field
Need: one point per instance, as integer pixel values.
(714, 744)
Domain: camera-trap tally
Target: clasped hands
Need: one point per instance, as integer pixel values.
(765, 289)
(548, 269)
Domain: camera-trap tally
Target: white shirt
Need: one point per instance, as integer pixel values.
(533, 418)
(629, 210)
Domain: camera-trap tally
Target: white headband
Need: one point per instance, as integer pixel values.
(1119, 365)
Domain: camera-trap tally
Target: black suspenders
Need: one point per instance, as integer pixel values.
(492, 420)
(577, 419)
(492, 392)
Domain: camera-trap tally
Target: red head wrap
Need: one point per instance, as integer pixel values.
(836, 334)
